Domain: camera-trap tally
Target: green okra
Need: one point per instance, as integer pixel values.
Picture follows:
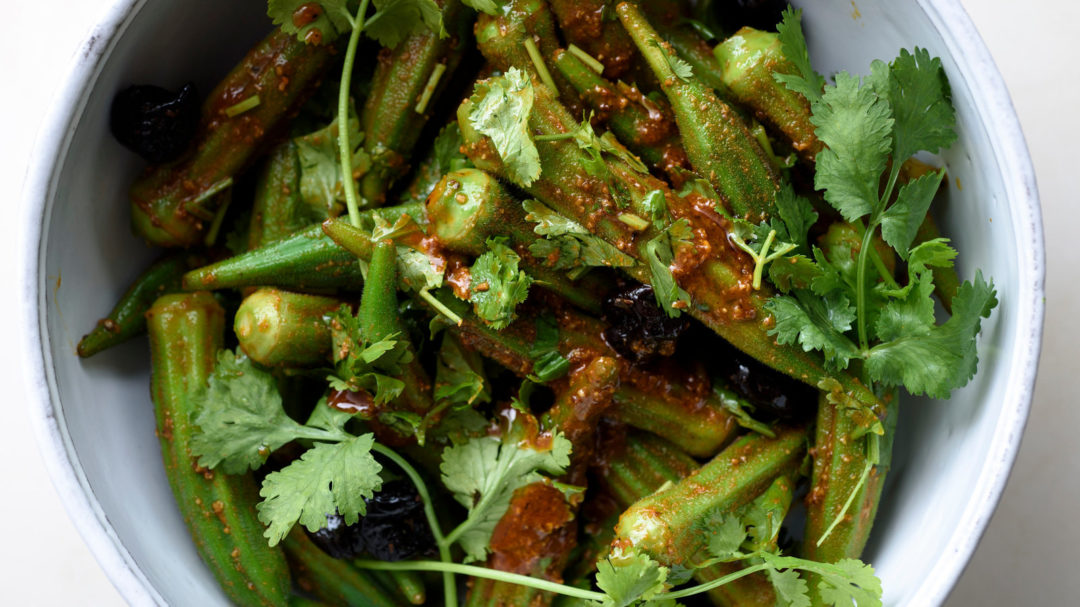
(718, 142)
(580, 404)
(693, 49)
(588, 24)
(443, 157)
(715, 275)
(128, 318)
(748, 61)
(278, 328)
(305, 260)
(333, 581)
(171, 203)
(645, 125)
(845, 485)
(409, 585)
(505, 42)
(279, 210)
(468, 207)
(397, 107)
(642, 465)
(665, 525)
(186, 331)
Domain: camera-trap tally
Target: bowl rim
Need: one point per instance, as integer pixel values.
(953, 25)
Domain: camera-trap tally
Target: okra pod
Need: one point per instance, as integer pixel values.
(665, 525)
(171, 203)
(280, 328)
(642, 465)
(278, 211)
(128, 318)
(186, 331)
(510, 39)
(588, 25)
(408, 585)
(578, 408)
(305, 260)
(398, 107)
(748, 60)
(646, 126)
(718, 142)
(333, 581)
(693, 49)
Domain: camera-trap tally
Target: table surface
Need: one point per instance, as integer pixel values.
(44, 561)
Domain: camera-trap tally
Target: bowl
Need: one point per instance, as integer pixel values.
(94, 418)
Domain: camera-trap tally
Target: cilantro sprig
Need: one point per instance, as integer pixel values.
(497, 285)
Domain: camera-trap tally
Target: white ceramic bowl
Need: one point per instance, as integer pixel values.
(95, 421)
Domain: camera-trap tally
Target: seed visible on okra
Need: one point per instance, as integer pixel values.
(128, 317)
(718, 142)
(281, 328)
(186, 332)
(665, 525)
(748, 62)
(306, 260)
(389, 119)
(646, 126)
(170, 203)
(331, 580)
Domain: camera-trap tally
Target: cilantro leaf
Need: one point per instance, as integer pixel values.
(807, 82)
(659, 254)
(490, 7)
(794, 272)
(459, 375)
(483, 474)
(630, 579)
(360, 365)
(326, 478)
(324, 22)
(920, 98)
(790, 588)
(726, 535)
(936, 360)
(816, 323)
(911, 315)
(548, 363)
(567, 245)
(241, 418)
(682, 70)
(501, 108)
(797, 215)
(737, 407)
(497, 286)
(901, 221)
(321, 184)
(856, 127)
(394, 20)
(846, 582)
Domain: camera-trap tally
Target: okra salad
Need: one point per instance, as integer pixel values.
(563, 302)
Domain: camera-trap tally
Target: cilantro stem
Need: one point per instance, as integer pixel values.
(449, 587)
(344, 145)
(440, 306)
(483, 572)
(860, 284)
(761, 258)
(707, 586)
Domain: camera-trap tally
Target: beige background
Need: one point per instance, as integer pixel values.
(1026, 556)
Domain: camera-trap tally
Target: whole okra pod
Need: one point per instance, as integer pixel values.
(171, 203)
(128, 318)
(186, 331)
(281, 328)
(279, 210)
(331, 580)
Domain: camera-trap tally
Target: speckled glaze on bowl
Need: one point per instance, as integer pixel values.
(94, 418)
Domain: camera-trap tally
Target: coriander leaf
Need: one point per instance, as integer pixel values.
(360, 365)
(758, 242)
(655, 203)
(921, 104)
(321, 184)
(501, 108)
(548, 363)
(911, 315)
(850, 581)
(816, 323)
(490, 7)
(241, 419)
(394, 20)
(483, 474)
(416, 270)
(856, 127)
(659, 253)
(797, 215)
(791, 590)
(497, 286)
(567, 245)
(319, 23)
(807, 82)
(457, 426)
(901, 221)
(682, 70)
(934, 253)
(737, 407)
(629, 579)
(794, 272)
(939, 359)
(326, 478)
(726, 535)
(459, 375)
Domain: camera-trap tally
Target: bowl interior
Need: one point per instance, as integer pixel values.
(951, 458)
